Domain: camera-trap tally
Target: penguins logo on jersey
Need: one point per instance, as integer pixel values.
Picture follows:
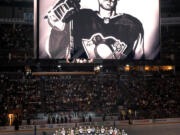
(102, 47)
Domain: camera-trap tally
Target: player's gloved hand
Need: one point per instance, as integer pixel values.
(62, 12)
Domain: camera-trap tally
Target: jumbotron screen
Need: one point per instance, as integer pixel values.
(97, 29)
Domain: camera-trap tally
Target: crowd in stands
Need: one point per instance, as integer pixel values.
(155, 97)
(16, 36)
(16, 41)
(170, 41)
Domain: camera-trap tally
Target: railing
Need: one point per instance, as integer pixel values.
(15, 21)
(170, 21)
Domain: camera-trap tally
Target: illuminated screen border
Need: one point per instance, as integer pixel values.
(36, 36)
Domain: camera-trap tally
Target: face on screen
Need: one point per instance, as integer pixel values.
(107, 4)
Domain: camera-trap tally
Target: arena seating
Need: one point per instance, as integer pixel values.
(154, 97)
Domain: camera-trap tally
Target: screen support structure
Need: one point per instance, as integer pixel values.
(35, 29)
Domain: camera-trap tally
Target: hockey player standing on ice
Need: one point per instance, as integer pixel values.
(102, 34)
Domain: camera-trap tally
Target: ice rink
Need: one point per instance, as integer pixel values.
(165, 129)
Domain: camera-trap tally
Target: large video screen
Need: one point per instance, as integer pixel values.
(97, 29)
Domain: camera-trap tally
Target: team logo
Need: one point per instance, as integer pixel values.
(102, 47)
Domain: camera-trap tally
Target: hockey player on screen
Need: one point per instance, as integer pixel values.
(102, 34)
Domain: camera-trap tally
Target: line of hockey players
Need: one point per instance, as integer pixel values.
(90, 131)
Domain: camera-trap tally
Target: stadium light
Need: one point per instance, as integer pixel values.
(127, 68)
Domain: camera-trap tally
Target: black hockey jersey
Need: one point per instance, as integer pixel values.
(117, 37)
